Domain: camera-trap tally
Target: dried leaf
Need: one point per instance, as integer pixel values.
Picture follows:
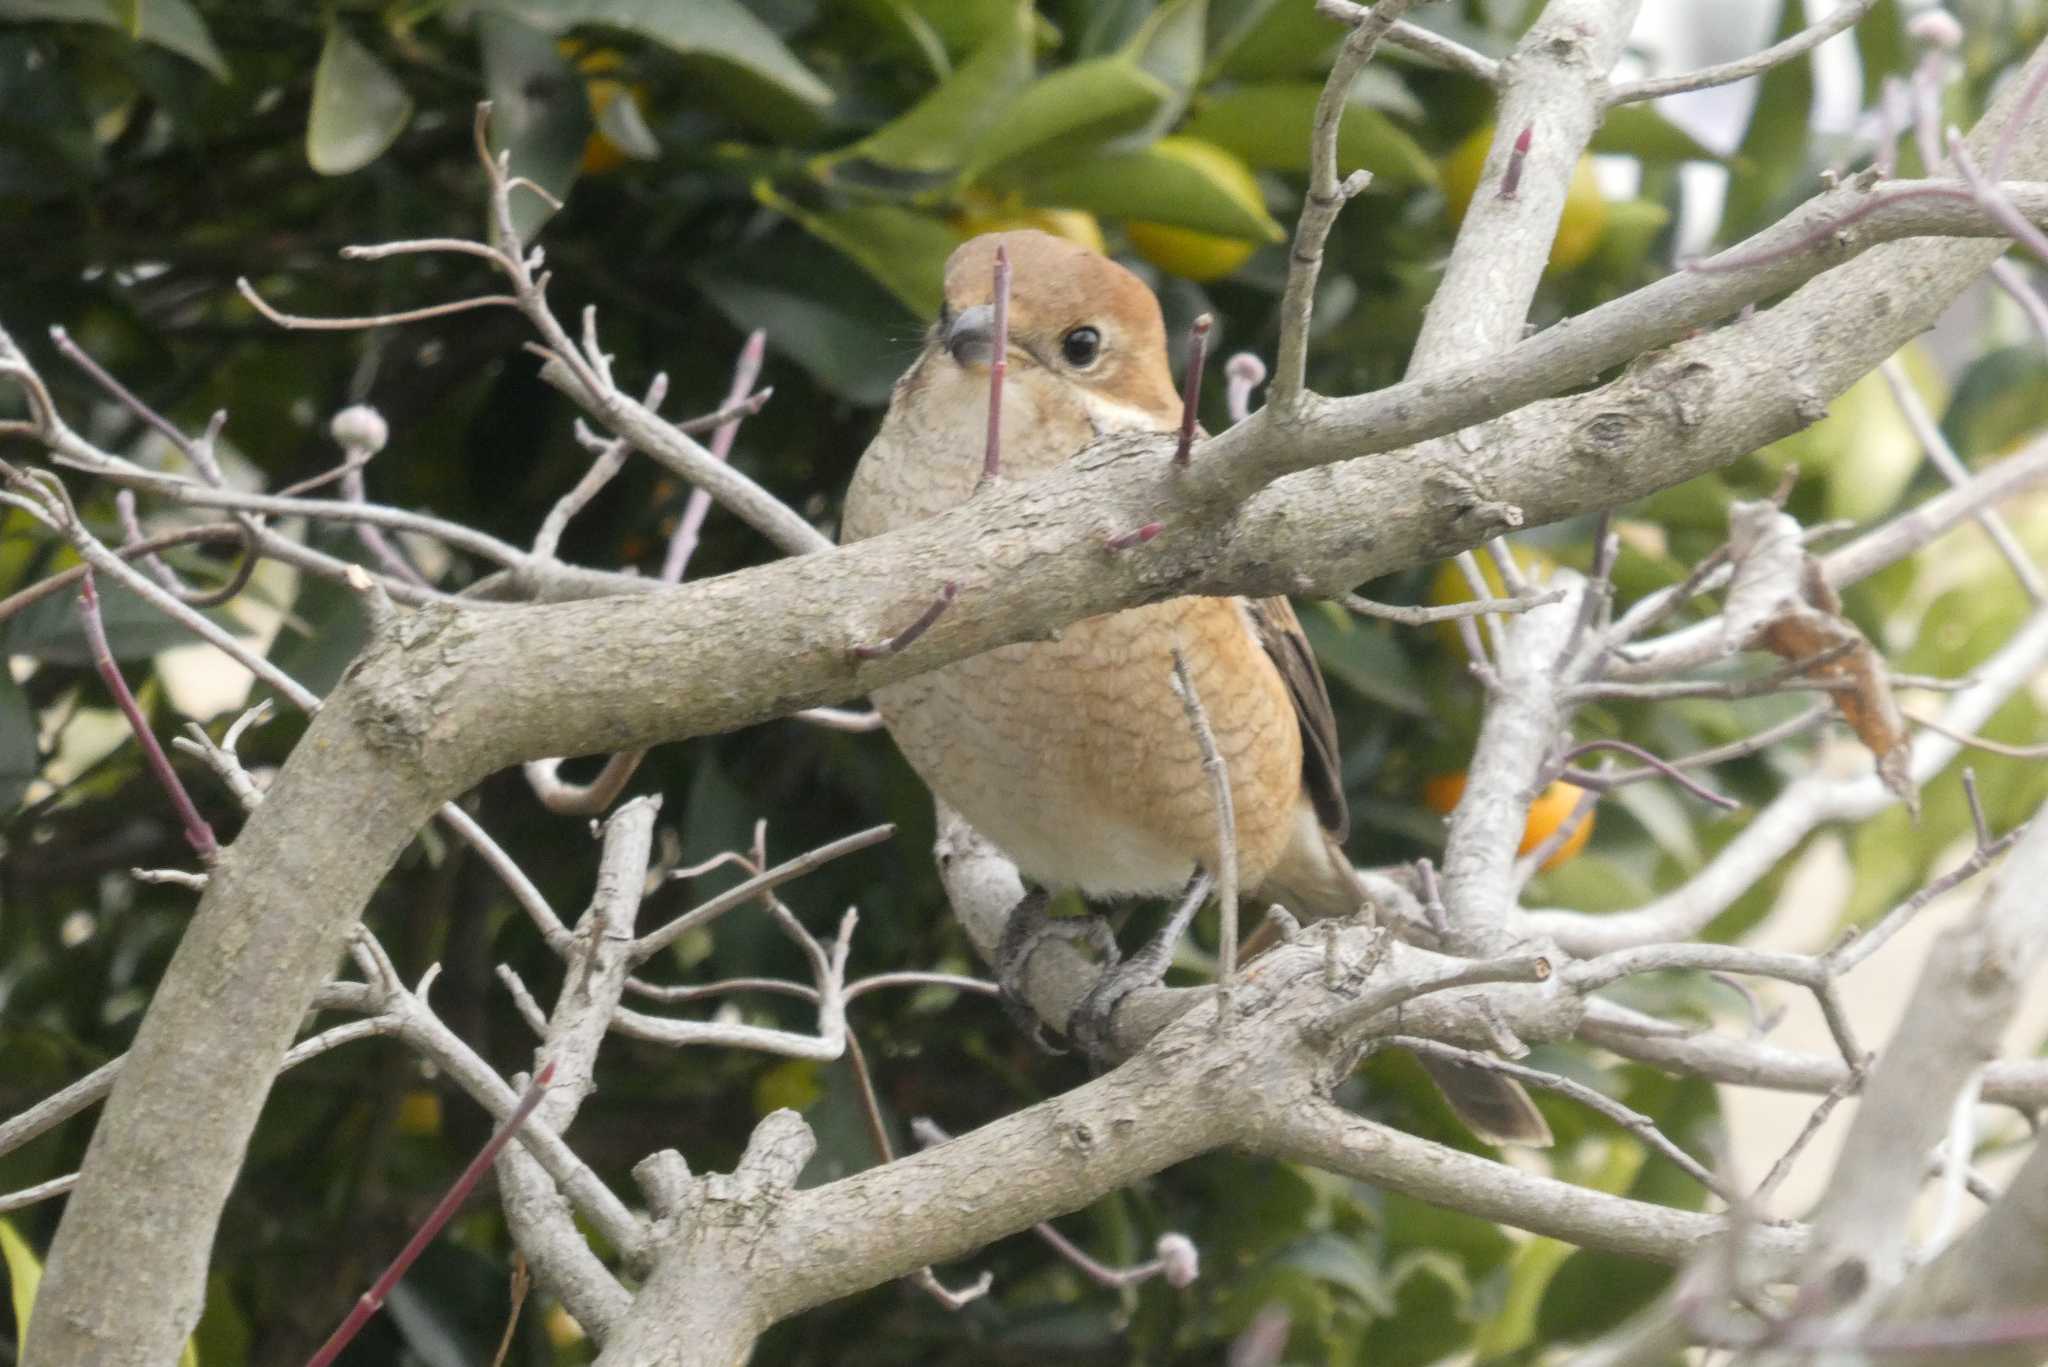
(1780, 600)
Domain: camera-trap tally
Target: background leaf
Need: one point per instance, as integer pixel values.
(359, 108)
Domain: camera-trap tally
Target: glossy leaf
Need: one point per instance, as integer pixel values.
(1158, 187)
(24, 1274)
(1365, 658)
(170, 24)
(1638, 130)
(17, 741)
(940, 131)
(539, 112)
(1268, 125)
(49, 629)
(719, 31)
(844, 329)
(1773, 151)
(359, 108)
(1055, 119)
(901, 248)
(900, 19)
(1168, 48)
(2001, 399)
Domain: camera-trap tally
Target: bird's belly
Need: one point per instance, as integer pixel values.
(1076, 757)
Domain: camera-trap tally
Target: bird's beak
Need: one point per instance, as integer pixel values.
(970, 338)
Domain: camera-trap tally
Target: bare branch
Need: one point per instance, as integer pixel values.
(1839, 20)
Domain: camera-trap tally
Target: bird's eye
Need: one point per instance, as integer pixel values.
(1081, 346)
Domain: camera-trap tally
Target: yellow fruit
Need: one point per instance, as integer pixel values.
(600, 88)
(1184, 252)
(1551, 809)
(1075, 225)
(1579, 226)
(793, 1083)
(419, 1113)
(1448, 586)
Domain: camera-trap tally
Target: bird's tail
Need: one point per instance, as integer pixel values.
(1315, 881)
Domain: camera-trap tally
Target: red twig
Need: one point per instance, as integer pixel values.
(895, 644)
(1191, 388)
(1137, 536)
(370, 1301)
(1511, 179)
(197, 833)
(998, 366)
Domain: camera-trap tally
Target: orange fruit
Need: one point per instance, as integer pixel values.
(1552, 808)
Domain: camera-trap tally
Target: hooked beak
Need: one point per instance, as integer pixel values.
(970, 338)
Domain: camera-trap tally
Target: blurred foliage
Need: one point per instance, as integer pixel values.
(804, 166)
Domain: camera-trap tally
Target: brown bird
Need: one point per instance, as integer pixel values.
(1074, 755)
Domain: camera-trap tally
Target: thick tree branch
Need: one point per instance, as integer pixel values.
(447, 694)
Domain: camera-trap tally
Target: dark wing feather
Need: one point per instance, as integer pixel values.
(1322, 769)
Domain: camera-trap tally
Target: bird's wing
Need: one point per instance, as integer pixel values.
(1279, 632)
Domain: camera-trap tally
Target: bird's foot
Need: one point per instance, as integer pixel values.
(1093, 1023)
(1027, 928)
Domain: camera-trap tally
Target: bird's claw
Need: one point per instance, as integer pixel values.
(1027, 928)
(1092, 1025)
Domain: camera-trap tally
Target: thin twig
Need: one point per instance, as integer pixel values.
(1191, 387)
(1448, 612)
(300, 323)
(369, 1302)
(683, 544)
(998, 366)
(198, 834)
(1225, 809)
(1841, 18)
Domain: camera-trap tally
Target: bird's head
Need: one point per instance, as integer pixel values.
(1075, 316)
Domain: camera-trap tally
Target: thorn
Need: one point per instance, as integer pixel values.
(1191, 389)
(1511, 180)
(897, 643)
(1136, 537)
(998, 365)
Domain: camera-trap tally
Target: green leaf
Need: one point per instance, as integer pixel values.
(539, 112)
(965, 25)
(1055, 118)
(1638, 130)
(839, 325)
(1159, 186)
(2002, 397)
(24, 1275)
(938, 133)
(722, 32)
(1364, 658)
(170, 24)
(1168, 48)
(359, 108)
(1774, 148)
(1268, 125)
(901, 248)
(17, 741)
(49, 629)
(1881, 45)
(901, 20)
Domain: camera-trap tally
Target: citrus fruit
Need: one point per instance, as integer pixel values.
(1075, 225)
(1579, 226)
(1552, 808)
(1185, 252)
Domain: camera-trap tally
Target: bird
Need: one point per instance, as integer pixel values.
(1074, 755)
